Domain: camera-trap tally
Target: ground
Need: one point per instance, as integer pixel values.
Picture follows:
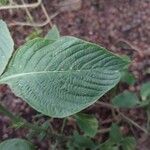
(122, 26)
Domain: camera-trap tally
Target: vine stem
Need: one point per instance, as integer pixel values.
(20, 121)
(33, 5)
(4, 111)
(133, 123)
(103, 131)
(63, 125)
(148, 120)
(123, 116)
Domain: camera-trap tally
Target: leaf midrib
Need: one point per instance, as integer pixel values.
(4, 79)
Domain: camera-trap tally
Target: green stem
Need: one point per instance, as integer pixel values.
(20, 121)
(4, 111)
(63, 125)
(148, 118)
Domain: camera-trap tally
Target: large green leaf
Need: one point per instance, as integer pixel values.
(62, 78)
(6, 46)
(16, 144)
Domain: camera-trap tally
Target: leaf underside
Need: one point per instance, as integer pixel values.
(6, 46)
(62, 78)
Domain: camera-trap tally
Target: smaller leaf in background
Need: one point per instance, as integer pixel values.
(79, 142)
(16, 144)
(43, 134)
(87, 123)
(34, 35)
(125, 100)
(53, 34)
(126, 59)
(128, 77)
(145, 91)
(128, 143)
(108, 145)
(115, 134)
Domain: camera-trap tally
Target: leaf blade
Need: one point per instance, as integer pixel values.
(87, 123)
(125, 100)
(115, 133)
(70, 74)
(145, 91)
(53, 34)
(6, 46)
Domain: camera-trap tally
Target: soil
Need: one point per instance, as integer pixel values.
(122, 26)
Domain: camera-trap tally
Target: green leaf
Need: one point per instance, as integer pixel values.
(64, 77)
(128, 77)
(79, 142)
(126, 58)
(87, 123)
(108, 145)
(43, 134)
(6, 46)
(145, 91)
(115, 134)
(3, 2)
(33, 35)
(53, 34)
(16, 144)
(128, 143)
(125, 100)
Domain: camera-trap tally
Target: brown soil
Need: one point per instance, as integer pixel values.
(106, 22)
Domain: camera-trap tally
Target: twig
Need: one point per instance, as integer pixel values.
(107, 121)
(4, 111)
(63, 125)
(105, 104)
(29, 15)
(129, 46)
(11, 2)
(18, 120)
(33, 5)
(103, 131)
(46, 15)
(123, 116)
(148, 118)
(133, 123)
(27, 12)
